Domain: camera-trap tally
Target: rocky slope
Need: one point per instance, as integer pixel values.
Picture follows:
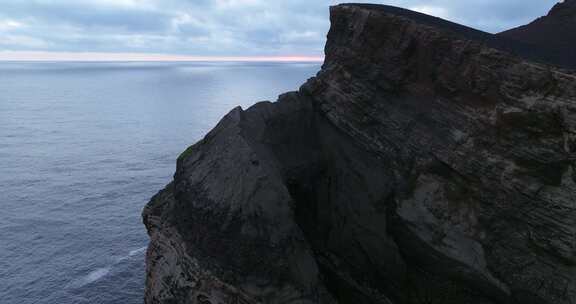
(554, 33)
(425, 163)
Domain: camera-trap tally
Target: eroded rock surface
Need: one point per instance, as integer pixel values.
(423, 164)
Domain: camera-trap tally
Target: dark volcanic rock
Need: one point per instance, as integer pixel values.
(423, 164)
(554, 34)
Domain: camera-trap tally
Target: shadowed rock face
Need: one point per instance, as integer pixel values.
(554, 33)
(423, 164)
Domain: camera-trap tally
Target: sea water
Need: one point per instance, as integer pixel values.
(83, 146)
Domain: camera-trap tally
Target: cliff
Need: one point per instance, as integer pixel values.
(425, 163)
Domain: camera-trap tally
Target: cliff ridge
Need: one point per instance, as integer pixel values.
(425, 163)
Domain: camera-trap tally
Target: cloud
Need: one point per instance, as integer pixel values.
(215, 27)
(22, 42)
(432, 10)
(8, 24)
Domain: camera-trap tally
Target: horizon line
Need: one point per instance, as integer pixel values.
(103, 56)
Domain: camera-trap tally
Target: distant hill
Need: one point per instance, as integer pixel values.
(554, 34)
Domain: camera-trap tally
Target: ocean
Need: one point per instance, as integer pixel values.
(83, 146)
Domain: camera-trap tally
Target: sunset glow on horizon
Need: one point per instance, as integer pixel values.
(95, 56)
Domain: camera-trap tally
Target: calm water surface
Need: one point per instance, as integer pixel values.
(83, 146)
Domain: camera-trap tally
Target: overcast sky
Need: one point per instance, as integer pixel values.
(214, 27)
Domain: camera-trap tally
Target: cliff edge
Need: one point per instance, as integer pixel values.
(425, 163)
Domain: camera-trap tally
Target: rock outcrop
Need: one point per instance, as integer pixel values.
(425, 163)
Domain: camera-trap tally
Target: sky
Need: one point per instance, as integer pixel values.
(200, 29)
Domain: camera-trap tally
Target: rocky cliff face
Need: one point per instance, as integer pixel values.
(425, 163)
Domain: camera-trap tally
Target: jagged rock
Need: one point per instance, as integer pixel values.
(425, 163)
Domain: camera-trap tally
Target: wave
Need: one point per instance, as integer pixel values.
(96, 275)
(99, 273)
(90, 278)
(131, 254)
(137, 251)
